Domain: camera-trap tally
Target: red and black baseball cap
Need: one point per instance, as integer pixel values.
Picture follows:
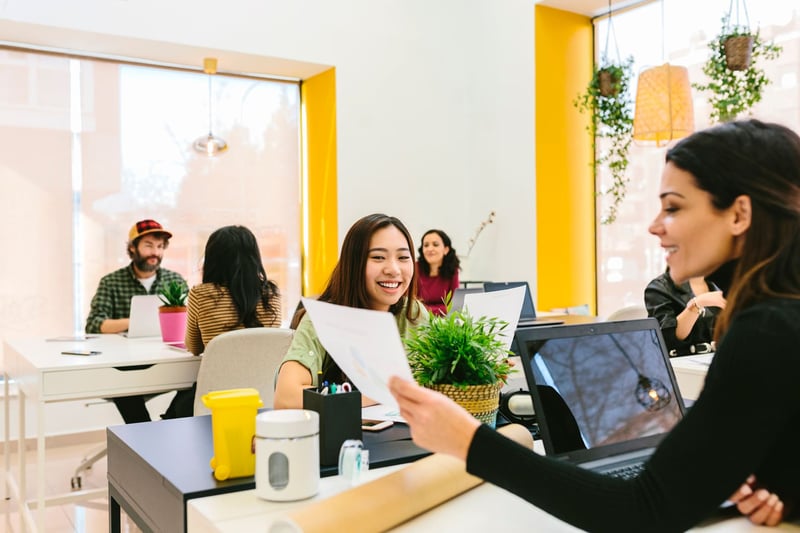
(145, 227)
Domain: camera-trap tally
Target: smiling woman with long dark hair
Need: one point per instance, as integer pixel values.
(730, 211)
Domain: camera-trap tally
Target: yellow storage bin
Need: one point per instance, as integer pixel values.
(233, 424)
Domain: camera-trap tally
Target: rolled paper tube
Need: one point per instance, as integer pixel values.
(394, 498)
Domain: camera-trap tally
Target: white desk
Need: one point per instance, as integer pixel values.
(480, 509)
(124, 367)
(690, 371)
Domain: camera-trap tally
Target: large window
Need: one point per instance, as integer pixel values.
(90, 147)
(628, 256)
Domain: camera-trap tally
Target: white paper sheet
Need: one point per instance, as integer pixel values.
(505, 305)
(364, 343)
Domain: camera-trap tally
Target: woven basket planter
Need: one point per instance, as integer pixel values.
(737, 51)
(481, 401)
(609, 83)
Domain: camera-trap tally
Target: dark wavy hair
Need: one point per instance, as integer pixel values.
(762, 161)
(233, 260)
(347, 284)
(450, 262)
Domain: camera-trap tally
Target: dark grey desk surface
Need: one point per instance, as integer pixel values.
(155, 467)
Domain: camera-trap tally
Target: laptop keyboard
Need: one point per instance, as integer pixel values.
(626, 472)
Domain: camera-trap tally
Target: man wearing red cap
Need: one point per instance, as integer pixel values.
(111, 305)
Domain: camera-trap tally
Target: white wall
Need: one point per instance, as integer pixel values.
(435, 99)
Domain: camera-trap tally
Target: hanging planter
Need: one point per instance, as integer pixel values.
(733, 89)
(607, 101)
(609, 78)
(738, 50)
(609, 105)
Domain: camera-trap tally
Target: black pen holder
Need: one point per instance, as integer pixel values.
(339, 420)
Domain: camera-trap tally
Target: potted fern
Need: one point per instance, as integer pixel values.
(172, 315)
(462, 357)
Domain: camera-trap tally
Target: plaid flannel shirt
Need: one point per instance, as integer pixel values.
(113, 296)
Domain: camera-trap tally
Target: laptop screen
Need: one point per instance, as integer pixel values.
(600, 384)
(527, 311)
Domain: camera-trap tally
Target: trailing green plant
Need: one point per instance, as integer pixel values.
(733, 92)
(459, 350)
(174, 294)
(611, 127)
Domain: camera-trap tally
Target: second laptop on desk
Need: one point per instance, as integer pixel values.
(143, 320)
(527, 315)
(604, 393)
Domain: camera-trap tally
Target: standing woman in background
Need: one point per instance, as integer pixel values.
(437, 269)
(685, 312)
(235, 294)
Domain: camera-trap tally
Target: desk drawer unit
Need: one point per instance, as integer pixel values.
(119, 381)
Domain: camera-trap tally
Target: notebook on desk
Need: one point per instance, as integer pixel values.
(144, 317)
(604, 393)
(527, 316)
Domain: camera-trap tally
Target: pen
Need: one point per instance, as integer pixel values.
(319, 381)
(345, 387)
(334, 389)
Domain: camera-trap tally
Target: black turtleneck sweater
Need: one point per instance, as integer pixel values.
(746, 420)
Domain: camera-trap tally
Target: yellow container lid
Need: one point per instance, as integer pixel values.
(232, 398)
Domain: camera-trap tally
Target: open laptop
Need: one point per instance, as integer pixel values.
(604, 393)
(457, 302)
(527, 315)
(144, 317)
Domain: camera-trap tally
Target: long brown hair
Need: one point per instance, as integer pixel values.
(761, 161)
(347, 284)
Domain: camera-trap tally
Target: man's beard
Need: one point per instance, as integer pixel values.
(142, 264)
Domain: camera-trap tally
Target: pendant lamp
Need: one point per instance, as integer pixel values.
(210, 144)
(664, 109)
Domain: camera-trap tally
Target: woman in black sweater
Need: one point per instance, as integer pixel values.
(730, 211)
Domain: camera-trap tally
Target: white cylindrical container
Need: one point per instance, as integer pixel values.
(287, 454)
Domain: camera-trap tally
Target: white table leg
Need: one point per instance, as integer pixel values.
(23, 478)
(40, 456)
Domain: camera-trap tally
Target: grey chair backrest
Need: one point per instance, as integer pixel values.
(242, 358)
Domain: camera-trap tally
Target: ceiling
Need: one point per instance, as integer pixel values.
(590, 8)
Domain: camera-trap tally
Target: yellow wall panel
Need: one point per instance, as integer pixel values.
(565, 198)
(320, 212)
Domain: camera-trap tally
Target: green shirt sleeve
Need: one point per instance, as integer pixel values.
(306, 348)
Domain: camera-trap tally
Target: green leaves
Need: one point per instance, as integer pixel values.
(459, 350)
(734, 92)
(174, 294)
(612, 122)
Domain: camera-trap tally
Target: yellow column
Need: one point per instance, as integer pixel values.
(319, 223)
(565, 192)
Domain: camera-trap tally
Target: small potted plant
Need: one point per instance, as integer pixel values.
(172, 315)
(462, 357)
(736, 80)
(608, 102)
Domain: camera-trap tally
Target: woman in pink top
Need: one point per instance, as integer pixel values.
(437, 269)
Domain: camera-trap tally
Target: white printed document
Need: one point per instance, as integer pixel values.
(364, 343)
(505, 305)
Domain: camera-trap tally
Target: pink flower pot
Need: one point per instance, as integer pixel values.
(173, 323)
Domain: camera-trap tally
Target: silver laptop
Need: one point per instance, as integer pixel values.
(457, 303)
(144, 317)
(527, 315)
(604, 393)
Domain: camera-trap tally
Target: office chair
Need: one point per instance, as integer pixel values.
(631, 312)
(243, 358)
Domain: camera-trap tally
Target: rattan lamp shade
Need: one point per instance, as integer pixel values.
(664, 110)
